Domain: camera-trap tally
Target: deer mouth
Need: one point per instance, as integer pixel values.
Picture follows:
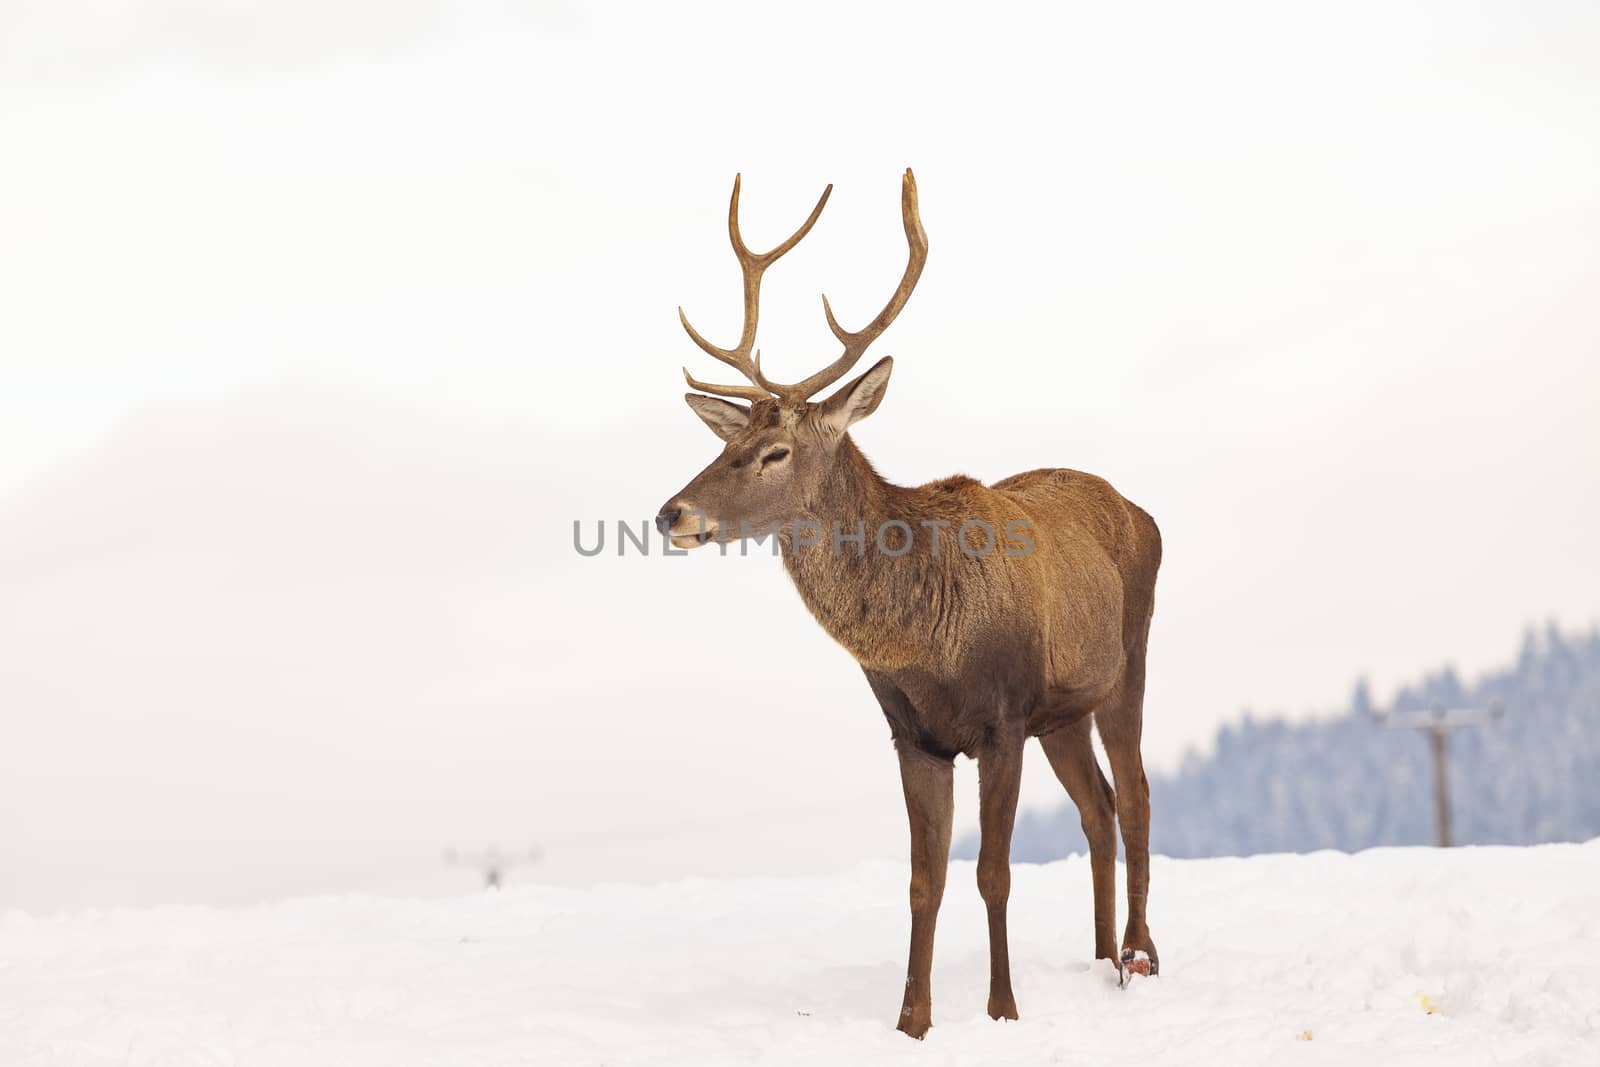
(694, 540)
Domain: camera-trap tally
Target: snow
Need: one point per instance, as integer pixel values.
(1474, 955)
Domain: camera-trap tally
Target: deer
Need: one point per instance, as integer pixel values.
(967, 652)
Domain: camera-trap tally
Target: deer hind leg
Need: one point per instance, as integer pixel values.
(928, 782)
(999, 780)
(1121, 724)
(1071, 754)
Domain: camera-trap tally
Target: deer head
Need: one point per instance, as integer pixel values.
(780, 447)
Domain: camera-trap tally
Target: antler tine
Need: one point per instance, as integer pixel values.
(752, 265)
(855, 344)
(739, 392)
(766, 259)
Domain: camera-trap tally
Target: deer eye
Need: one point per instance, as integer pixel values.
(775, 455)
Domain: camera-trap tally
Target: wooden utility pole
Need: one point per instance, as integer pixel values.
(1440, 722)
(492, 863)
(1439, 745)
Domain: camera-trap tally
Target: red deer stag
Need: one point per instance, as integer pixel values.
(968, 651)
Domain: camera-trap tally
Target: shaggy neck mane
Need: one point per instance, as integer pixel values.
(884, 608)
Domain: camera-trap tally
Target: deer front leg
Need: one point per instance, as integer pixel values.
(999, 780)
(928, 784)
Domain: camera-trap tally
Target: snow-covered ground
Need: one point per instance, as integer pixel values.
(1485, 955)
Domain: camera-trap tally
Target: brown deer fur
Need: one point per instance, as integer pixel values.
(966, 653)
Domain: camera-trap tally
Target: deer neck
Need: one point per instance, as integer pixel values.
(882, 607)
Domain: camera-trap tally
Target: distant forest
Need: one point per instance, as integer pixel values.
(1532, 775)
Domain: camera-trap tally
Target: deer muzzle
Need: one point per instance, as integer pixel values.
(685, 527)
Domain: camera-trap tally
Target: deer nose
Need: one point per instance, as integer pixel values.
(667, 520)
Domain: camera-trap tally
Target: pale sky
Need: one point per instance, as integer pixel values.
(322, 323)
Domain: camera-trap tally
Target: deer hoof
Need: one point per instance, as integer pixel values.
(1003, 1008)
(1135, 961)
(915, 1019)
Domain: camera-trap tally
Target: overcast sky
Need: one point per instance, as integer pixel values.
(322, 323)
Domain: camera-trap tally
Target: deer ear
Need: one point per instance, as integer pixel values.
(857, 399)
(724, 418)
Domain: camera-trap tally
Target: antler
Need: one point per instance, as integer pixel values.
(855, 344)
(753, 266)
